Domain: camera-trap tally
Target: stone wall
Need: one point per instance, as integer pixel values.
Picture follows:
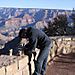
(64, 44)
(18, 65)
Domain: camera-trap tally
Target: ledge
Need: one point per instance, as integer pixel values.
(18, 65)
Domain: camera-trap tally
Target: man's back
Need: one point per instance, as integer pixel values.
(35, 34)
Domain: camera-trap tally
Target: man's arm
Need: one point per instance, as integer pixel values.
(32, 44)
(29, 47)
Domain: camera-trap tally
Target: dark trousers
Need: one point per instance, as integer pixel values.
(41, 63)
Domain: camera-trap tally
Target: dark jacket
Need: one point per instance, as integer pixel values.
(37, 39)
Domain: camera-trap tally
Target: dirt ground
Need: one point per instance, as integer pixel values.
(62, 65)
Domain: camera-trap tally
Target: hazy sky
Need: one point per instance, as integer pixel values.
(49, 4)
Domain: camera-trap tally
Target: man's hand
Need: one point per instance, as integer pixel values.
(27, 51)
(0, 51)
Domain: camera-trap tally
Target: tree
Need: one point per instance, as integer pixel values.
(71, 29)
(73, 17)
(57, 27)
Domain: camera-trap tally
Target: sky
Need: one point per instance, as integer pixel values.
(47, 4)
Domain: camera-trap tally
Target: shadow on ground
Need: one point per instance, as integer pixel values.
(63, 65)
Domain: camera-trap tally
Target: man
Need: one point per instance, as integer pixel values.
(37, 39)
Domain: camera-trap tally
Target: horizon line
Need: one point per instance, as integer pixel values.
(35, 8)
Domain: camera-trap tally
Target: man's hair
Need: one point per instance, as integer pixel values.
(22, 33)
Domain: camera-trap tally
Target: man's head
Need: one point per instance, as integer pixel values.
(22, 33)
